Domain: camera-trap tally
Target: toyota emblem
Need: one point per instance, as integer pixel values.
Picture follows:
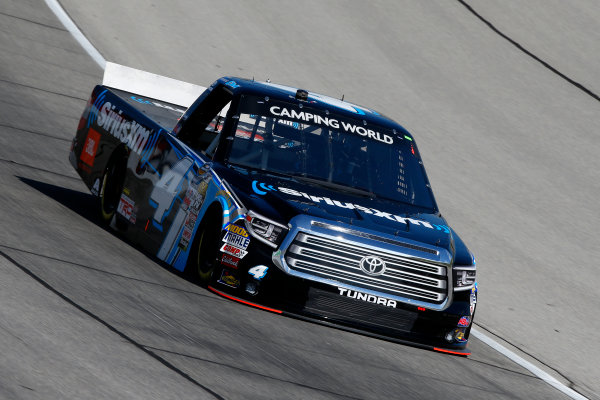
(372, 265)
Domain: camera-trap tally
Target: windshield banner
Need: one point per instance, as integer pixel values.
(331, 122)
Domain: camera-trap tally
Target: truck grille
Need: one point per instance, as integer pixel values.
(339, 262)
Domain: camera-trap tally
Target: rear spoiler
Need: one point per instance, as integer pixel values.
(147, 84)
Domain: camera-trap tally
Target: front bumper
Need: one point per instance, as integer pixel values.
(346, 306)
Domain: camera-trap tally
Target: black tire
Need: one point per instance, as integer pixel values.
(204, 259)
(112, 186)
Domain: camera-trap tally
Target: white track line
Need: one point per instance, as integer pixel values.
(77, 34)
(96, 56)
(526, 364)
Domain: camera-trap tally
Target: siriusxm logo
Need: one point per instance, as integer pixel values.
(129, 132)
(262, 189)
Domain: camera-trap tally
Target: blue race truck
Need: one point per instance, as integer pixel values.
(283, 199)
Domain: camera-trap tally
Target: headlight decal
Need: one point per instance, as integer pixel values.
(265, 229)
(464, 277)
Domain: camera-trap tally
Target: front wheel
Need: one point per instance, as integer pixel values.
(204, 260)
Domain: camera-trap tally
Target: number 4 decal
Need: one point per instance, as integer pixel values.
(169, 185)
(258, 272)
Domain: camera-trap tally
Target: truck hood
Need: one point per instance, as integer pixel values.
(282, 197)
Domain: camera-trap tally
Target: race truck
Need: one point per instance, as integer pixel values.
(279, 198)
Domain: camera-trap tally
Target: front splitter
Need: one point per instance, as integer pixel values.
(331, 324)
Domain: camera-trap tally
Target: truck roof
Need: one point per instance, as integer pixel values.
(316, 100)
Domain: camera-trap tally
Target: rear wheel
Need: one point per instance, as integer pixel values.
(112, 186)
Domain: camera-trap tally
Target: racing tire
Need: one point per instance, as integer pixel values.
(112, 186)
(205, 259)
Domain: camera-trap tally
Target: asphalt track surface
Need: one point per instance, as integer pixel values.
(510, 147)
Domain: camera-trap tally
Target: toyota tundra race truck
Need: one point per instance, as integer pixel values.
(282, 199)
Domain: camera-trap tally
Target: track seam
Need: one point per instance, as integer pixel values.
(34, 132)
(239, 369)
(530, 54)
(42, 90)
(33, 22)
(109, 326)
(569, 391)
(98, 270)
(39, 169)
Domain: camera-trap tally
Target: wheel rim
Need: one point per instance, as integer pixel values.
(104, 203)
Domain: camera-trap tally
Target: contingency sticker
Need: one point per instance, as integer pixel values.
(125, 208)
(237, 230)
(234, 251)
(236, 240)
(464, 321)
(230, 261)
(473, 299)
(191, 205)
(228, 278)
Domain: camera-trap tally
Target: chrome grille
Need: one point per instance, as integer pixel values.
(339, 262)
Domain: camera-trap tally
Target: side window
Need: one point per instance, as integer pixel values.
(202, 127)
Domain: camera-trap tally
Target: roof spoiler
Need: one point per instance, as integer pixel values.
(147, 84)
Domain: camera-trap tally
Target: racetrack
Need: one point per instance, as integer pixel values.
(510, 147)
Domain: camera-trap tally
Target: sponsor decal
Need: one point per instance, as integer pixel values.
(459, 335)
(228, 278)
(293, 124)
(372, 265)
(230, 261)
(232, 84)
(473, 299)
(191, 205)
(236, 240)
(464, 321)
(237, 230)
(258, 272)
(234, 251)
(261, 188)
(186, 236)
(96, 187)
(370, 298)
(331, 122)
(90, 146)
(127, 131)
(125, 208)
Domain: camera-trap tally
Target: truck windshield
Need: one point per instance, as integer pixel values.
(327, 148)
